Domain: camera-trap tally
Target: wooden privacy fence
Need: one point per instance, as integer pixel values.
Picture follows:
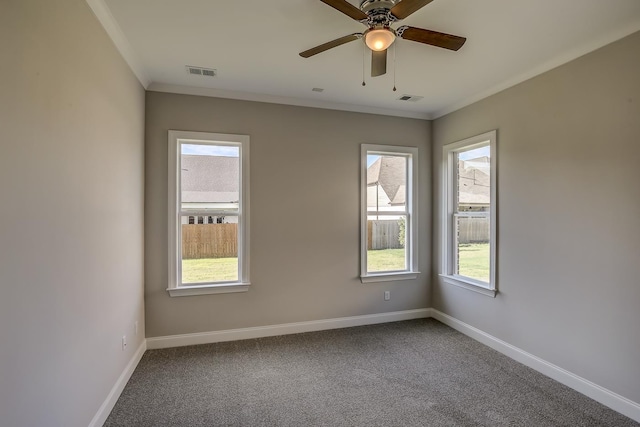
(220, 240)
(473, 230)
(209, 241)
(383, 234)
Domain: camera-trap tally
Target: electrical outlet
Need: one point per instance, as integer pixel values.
(387, 295)
(124, 342)
(135, 328)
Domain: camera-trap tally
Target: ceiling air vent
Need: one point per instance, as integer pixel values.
(410, 98)
(199, 71)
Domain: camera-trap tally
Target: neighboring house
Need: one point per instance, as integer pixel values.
(475, 184)
(209, 182)
(386, 183)
(474, 195)
(386, 191)
(386, 187)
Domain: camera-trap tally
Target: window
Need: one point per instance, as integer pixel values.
(208, 179)
(389, 232)
(469, 219)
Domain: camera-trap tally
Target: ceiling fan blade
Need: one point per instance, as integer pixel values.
(329, 45)
(434, 38)
(346, 8)
(407, 7)
(378, 63)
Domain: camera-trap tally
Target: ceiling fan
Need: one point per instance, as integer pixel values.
(378, 15)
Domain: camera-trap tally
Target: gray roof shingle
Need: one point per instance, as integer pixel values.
(474, 181)
(390, 172)
(210, 178)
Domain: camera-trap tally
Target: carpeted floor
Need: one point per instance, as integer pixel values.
(413, 373)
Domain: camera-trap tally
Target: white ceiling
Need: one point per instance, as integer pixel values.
(254, 46)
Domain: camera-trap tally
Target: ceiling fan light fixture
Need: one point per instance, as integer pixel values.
(380, 39)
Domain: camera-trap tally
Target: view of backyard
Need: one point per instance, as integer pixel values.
(385, 260)
(474, 262)
(209, 270)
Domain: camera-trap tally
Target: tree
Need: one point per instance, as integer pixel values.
(401, 233)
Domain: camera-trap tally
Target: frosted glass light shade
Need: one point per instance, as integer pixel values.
(379, 40)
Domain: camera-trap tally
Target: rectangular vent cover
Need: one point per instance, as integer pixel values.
(199, 71)
(410, 98)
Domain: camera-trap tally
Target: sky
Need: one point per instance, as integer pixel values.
(475, 153)
(210, 150)
(371, 159)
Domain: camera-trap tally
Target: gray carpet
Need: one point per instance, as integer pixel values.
(414, 373)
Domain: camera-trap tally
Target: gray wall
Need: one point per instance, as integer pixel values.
(71, 215)
(305, 203)
(569, 205)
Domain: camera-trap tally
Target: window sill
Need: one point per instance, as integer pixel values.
(389, 277)
(468, 284)
(227, 288)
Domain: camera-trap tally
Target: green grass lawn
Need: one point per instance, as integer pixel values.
(220, 269)
(474, 261)
(209, 270)
(385, 260)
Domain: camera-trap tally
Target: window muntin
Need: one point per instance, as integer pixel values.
(469, 215)
(389, 221)
(208, 212)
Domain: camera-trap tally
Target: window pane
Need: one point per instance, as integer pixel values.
(386, 182)
(386, 243)
(473, 195)
(473, 245)
(474, 180)
(210, 177)
(209, 249)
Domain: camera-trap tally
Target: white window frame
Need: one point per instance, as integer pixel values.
(176, 138)
(449, 187)
(411, 230)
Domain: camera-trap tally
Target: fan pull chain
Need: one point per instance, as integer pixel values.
(395, 46)
(363, 60)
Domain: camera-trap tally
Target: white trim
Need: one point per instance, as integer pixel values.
(186, 291)
(389, 277)
(284, 329)
(283, 100)
(448, 191)
(386, 213)
(174, 255)
(600, 394)
(411, 211)
(110, 25)
(105, 409)
(104, 15)
(467, 283)
(555, 62)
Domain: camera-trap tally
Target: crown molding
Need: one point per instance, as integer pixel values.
(109, 23)
(273, 99)
(557, 61)
(104, 15)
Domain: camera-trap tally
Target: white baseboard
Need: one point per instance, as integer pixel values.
(600, 394)
(106, 407)
(284, 329)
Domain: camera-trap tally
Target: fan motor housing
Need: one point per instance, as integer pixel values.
(369, 5)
